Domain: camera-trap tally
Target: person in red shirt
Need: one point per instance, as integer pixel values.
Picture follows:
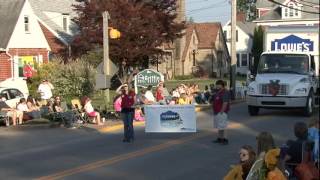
(221, 107)
(127, 110)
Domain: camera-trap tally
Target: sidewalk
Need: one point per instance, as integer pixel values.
(109, 126)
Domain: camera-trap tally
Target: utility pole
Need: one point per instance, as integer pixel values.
(106, 60)
(233, 47)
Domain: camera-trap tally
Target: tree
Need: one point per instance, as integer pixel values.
(248, 7)
(144, 25)
(257, 46)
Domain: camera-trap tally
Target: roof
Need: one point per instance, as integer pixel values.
(206, 34)
(247, 27)
(9, 13)
(275, 13)
(266, 3)
(57, 6)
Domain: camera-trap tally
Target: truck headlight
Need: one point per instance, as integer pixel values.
(301, 91)
(251, 90)
(305, 80)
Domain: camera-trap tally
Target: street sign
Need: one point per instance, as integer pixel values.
(148, 77)
(113, 69)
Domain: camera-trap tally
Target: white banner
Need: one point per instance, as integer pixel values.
(170, 118)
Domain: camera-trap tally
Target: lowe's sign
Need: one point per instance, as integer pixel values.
(292, 43)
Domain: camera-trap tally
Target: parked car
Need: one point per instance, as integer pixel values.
(13, 90)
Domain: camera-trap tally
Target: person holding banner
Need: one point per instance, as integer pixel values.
(221, 107)
(127, 112)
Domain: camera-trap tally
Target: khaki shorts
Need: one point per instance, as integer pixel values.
(10, 113)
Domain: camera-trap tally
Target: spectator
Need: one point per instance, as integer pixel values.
(206, 94)
(293, 155)
(67, 117)
(175, 92)
(270, 170)
(221, 107)
(33, 107)
(265, 143)
(127, 111)
(313, 136)
(45, 90)
(87, 106)
(165, 91)
(159, 92)
(27, 113)
(173, 101)
(149, 94)
(141, 98)
(240, 171)
(138, 114)
(183, 100)
(117, 104)
(11, 112)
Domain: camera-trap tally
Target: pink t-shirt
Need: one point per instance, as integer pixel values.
(117, 104)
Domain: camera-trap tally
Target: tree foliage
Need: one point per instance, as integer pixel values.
(248, 7)
(144, 25)
(257, 45)
(71, 80)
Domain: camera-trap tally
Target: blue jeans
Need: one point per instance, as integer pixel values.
(127, 118)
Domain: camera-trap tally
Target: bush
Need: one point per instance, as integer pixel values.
(71, 80)
(183, 77)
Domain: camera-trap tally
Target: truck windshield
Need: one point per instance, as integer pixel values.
(283, 63)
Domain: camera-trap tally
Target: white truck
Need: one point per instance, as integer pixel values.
(287, 75)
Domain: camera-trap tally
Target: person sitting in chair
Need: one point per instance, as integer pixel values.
(87, 106)
(67, 116)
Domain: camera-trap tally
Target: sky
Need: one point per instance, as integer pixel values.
(208, 10)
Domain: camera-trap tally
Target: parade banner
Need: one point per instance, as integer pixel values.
(170, 118)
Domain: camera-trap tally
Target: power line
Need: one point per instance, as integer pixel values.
(310, 12)
(207, 7)
(310, 2)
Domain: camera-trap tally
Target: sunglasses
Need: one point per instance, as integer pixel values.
(243, 154)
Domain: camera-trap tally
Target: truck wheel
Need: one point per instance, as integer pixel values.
(308, 109)
(253, 111)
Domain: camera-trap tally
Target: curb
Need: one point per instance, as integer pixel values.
(115, 126)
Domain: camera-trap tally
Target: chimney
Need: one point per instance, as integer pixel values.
(241, 17)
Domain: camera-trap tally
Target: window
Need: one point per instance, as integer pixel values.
(65, 23)
(14, 93)
(244, 60)
(225, 34)
(238, 60)
(26, 24)
(291, 11)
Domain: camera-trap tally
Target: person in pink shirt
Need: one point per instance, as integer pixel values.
(117, 104)
(138, 114)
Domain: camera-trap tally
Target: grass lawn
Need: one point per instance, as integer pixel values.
(98, 100)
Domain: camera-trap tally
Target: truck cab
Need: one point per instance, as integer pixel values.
(283, 80)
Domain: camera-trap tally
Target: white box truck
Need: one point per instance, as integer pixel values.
(287, 75)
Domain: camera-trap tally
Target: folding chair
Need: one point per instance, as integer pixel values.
(77, 109)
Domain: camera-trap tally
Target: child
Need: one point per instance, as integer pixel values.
(173, 101)
(138, 114)
(313, 135)
(183, 100)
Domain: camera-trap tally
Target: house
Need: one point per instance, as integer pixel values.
(244, 38)
(22, 40)
(287, 13)
(204, 53)
(55, 18)
(34, 31)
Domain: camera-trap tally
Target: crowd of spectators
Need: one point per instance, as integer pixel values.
(288, 161)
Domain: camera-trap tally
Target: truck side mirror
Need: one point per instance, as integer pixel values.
(311, 74)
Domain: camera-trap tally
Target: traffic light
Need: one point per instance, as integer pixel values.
(114, 33)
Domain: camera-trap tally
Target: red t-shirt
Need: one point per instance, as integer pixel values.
(127, 101)
(159, 94)
(27, 71)
(219, 99)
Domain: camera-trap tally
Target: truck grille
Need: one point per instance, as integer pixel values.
(283, 90)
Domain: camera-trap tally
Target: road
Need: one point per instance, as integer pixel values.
(58, 153)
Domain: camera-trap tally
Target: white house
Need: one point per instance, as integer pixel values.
(287, 13)
(21, 38)
(244, 37)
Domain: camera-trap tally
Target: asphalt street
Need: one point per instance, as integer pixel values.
(58, 153)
